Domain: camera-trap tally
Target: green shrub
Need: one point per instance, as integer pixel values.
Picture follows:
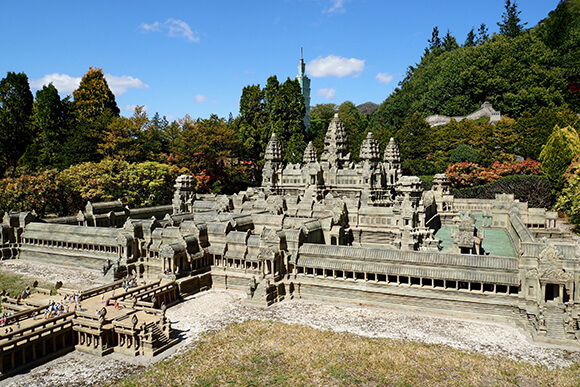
(534, 189)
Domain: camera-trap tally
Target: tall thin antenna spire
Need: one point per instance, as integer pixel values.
(301, 53)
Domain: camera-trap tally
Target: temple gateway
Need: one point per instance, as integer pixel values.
(328, 229)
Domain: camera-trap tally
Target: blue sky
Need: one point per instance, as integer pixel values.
(194, 57)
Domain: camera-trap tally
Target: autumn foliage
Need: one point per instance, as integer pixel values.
(64, 193)
(467, 174)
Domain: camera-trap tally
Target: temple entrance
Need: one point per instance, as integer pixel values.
(552, 292)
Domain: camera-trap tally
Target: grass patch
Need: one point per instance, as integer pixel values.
(264, 353)
(15, 284)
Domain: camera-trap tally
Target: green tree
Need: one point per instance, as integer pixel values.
(172, 135)
(127, 138)
(15, 109)
(449, 42)
(158, 129)
(320, 117)
(561, 32)
(463, 152)
(482, 34)
(356, 125)
(206, 147)
(94, 107)
(561, 148)
(435, 41)
(511, 24)
(569, 199)
(537, 128)
(93, 97)
(252, 128)
(286, 120)
(52, 123)
(414, 139)
(471, 39)
(270, 92)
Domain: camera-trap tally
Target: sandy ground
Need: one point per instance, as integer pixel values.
(216, 309)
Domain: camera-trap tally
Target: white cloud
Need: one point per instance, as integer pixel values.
(326, 93)
(131, 108)
(174, 28)
(120, 85)
(153, 27)
(65, 84)
(336, 6)
(200, 98)
(384, 77)
(335, 66)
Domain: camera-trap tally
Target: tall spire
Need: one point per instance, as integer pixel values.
(335, 143)
(273, 149)
(304, 82)
(369, 149)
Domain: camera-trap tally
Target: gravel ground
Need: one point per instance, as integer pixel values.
(71, 277)
(216, 309)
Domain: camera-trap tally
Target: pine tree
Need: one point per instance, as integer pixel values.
(252, 126)
(482, 34)
(15, 110)
(471, 38)
(93, 97)
(511, 24)
(286, 120)
(434, 42)
(51, 122)
(449, 42)
(94, 108)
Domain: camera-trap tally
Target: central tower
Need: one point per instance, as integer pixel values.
(304, 82)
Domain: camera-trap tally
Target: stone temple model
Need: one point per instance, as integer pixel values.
(327, 229)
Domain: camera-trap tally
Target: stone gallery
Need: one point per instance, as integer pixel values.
(328, 229)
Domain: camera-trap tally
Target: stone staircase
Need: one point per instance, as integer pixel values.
(160, 340)
(554, 315)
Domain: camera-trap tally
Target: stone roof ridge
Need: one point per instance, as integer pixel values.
(392, 154)
(369, 149)
(310, 155)
(273, 149)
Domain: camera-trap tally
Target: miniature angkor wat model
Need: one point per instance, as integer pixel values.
(326, 228)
